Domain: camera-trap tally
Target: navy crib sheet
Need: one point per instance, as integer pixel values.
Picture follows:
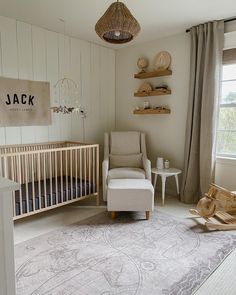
(62, 194)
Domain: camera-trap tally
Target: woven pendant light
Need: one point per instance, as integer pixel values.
(117, 25)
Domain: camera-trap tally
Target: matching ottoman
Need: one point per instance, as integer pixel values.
(130, 195)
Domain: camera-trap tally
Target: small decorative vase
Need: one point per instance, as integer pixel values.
(146, 105)
(160, 163)
(167, 164)
(142, 64)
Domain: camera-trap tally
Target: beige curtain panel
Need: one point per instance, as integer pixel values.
(24, 103)
(207, 42)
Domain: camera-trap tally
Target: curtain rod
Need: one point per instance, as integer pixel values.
(225, 20)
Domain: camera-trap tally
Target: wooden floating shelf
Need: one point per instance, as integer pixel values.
(151, 112)
(152, 93)
(146, 75)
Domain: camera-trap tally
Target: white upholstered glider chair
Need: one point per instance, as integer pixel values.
(125, 157)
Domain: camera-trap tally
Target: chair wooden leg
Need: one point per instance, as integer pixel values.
(147, 215)
(113, 215)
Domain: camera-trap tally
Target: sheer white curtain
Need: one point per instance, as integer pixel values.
(207, 42)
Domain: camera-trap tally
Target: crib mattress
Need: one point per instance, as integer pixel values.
(64, 193)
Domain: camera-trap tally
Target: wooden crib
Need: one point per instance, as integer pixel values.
(51, 174)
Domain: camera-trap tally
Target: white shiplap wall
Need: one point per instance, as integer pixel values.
(30, 52)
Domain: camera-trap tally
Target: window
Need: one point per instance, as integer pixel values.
(226, 132)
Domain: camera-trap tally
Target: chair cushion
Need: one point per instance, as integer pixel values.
(125, 143)
(134, 161)
(126, 173)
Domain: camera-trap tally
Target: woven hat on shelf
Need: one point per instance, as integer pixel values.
(117, 25)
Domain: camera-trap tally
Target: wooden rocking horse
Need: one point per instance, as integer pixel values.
(217, 205)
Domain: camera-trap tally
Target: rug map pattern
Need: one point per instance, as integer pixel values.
(164, 255)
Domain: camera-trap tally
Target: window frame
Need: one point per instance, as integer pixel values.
(225, 105)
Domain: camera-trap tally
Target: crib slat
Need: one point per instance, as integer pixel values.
(4, 167)
(13, 193)
(25, 169)
(71, 177)
(50, 175)
(85, 171)
(44, 180)
(61, 172)
(76, 173)
(39, 180)
(32, 177)
(1, 166)
(66, 176)
(80, 172)
(56, 178)
(19, 180)
(97, 163)
(89, 164)
(94, 165)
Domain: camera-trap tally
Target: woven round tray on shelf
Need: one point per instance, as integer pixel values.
(162, 61)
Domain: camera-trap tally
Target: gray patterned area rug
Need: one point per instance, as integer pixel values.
(98, 256)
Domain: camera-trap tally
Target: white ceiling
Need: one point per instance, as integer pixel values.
(157, 18)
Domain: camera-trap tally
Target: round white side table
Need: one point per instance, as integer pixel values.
(164, 173)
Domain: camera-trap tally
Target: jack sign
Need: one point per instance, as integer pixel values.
(24, 103)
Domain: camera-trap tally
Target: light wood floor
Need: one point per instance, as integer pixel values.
(221, 282)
